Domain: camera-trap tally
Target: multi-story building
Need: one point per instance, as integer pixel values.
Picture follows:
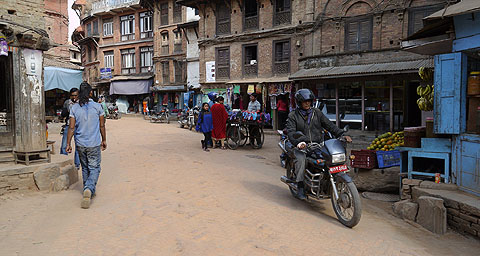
(250, 46)
(169, 52)
(116, 39)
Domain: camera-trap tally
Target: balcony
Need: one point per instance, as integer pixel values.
(281, 67)
(250, 70)
(108, 6)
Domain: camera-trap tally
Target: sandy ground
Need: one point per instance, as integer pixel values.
(159, 194)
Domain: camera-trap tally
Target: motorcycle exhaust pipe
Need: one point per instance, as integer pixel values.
(288, 181)
(282, 146)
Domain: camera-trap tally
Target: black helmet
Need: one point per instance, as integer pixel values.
(304, 95)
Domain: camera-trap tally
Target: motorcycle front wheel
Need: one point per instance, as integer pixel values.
(348, 207)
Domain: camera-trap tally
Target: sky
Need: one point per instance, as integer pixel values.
(74, 21)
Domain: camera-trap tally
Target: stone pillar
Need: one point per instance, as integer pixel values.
(30, 125)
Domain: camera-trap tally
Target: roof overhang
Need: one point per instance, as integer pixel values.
(463, 7)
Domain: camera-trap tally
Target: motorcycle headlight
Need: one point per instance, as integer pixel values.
(338, 158)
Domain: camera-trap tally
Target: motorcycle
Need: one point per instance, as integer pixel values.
(113, 112)
(182, 118)
(162, 115)
(325, 175)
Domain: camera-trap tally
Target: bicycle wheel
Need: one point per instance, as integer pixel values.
(243, 135)
(233, 136)
(258, 137)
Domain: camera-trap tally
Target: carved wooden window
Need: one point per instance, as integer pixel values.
(164, 14)
(281, 57)
(95, 28)
(416, 15)
(358, 34)
(250, 60)
(222, 69)
(177, 13)
(250, 17)
(179, 66)
(223, 19)
(166, 72)
(282, 12)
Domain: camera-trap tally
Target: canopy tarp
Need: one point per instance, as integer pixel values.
(62, 78)
(130, 87)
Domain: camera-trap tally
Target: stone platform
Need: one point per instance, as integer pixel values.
(58, 175)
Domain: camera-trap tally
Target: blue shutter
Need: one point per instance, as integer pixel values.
(450, 93)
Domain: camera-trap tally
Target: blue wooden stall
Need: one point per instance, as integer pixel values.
(462, 152)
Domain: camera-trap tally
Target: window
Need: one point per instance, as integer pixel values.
(179, 72)
(222, 56)
(108, 27)
(89, 29)
(281, 55)
(283, 12)
(95, 27)
(128, 61)
(164, 14)
(166, 72)
(223, 19)
(95, 53)
(146, 25)
(250, 19)
(165, 44)
(177, 46)
(89, 54)
(127, 27)
(250, 60)
(197, 12)
(146, 59)
(108, 59)
(177, 13)
(358, 35)
(416, 15)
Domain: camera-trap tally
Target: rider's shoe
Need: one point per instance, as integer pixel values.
(301, 191)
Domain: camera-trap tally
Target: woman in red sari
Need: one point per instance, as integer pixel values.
(219, 117)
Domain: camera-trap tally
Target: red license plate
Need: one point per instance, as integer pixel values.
(340, 168)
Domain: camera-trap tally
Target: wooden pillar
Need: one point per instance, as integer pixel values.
(337, 106)
(391, 105)
(363, 106)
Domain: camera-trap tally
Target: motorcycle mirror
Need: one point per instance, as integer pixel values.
(342, 116)
(346, 128)
(298, 135)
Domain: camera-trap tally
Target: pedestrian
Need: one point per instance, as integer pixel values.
(101, 100)
(67, 106)
(219, 118)
(212, 96)
(87, 123)
(254, 106)
(205, 125)
(282, 109)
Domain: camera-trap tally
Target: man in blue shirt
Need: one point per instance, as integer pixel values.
(87, 123)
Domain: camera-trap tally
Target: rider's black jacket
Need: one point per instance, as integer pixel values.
(312, 131)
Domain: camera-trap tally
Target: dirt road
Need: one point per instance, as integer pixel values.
(159, 194)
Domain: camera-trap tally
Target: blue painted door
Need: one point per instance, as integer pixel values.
(468, 163)
(450, 93)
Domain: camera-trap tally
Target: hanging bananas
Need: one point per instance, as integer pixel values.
(426, 74)
(425, 102)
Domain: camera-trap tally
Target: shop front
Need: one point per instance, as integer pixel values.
(374, 97)
(171, 97)
(129, 92)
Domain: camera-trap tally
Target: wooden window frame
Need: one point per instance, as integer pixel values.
(358, 21)
(165, 75)
(164, 14)
(274, 60)
(286, 13)
(245, 65)
(219, 66)
(177, 13)
(220, 22)
(255, 27)
(427, 10)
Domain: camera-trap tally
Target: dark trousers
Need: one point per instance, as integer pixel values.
(254, 133)
(282, 119)
(208, 138)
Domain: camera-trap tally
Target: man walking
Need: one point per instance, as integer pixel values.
(87, 122)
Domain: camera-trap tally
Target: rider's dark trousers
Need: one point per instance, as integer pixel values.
(300, 160)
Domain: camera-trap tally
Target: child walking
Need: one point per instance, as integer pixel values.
(205, 125)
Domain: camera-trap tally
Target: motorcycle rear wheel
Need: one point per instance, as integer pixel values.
(348, 208)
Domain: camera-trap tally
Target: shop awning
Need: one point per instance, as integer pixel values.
(130, 87)
(389, 68)
(173, 88)
(463, 7)
(62, 78)
(261, 80)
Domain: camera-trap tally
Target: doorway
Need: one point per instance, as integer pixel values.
(7, 140)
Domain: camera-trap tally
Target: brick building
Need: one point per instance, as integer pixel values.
(170, 57)
(56, 23)
(352, 60)
(116, 39)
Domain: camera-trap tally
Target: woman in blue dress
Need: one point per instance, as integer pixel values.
(205, 125)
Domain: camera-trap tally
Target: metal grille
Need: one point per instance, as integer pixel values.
(223, 72)
(282, 67)
(250, 70)
(251, 23)
(165, 49)
(223, 28)
(284, 17)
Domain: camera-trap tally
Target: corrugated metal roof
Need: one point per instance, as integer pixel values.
(465, 6)
(273, 79)
(53, 62)
(366, 69)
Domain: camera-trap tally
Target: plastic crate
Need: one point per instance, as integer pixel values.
(388, 158)
(365, 159)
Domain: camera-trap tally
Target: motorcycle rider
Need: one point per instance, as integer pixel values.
(311, 122)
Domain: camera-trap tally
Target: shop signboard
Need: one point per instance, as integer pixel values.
(210, 68)
(105, 73)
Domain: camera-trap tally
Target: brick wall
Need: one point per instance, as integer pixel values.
(29, 13)
(56, 23)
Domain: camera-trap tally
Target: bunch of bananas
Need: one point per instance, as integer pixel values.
(425, 102)
(426, 74)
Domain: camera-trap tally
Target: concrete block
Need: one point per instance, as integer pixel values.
(432, 214)
(378, 180)
(71, 172)
(61, 183)
(412, 182)
(45, 177)
(406, 209)
(439, 186)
